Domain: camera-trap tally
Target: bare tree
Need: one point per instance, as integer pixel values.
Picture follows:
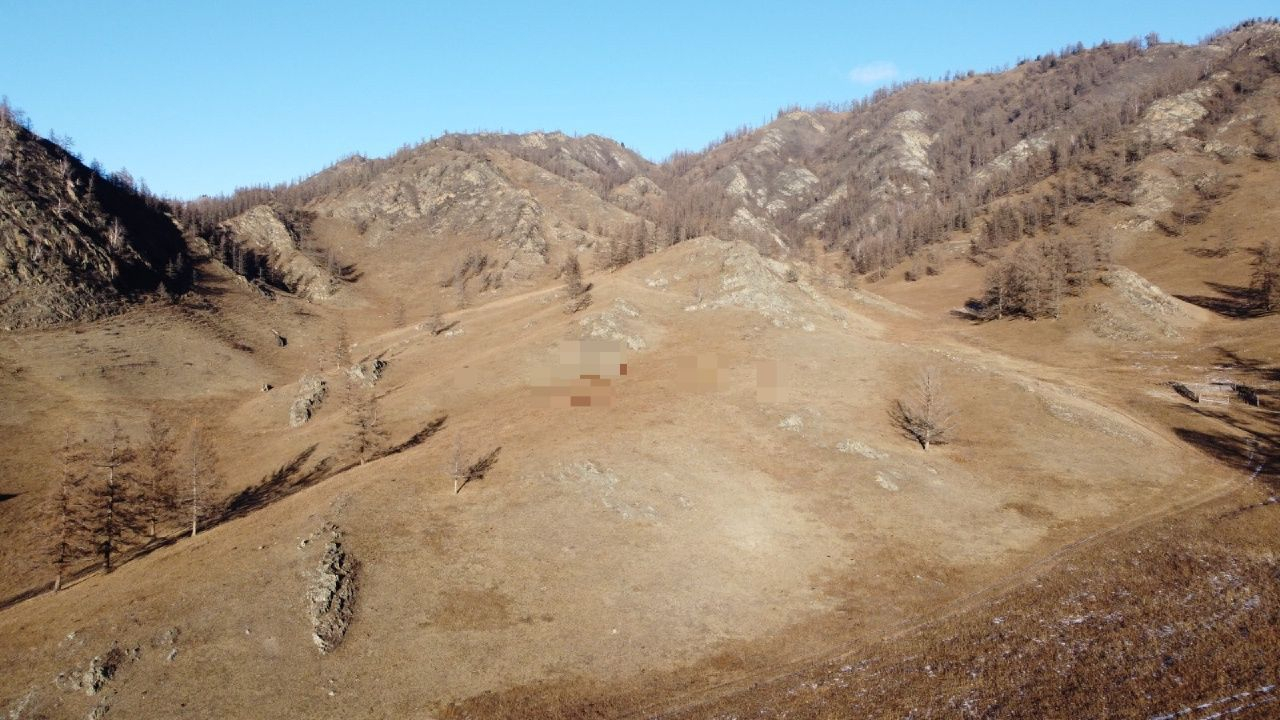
(63, 525)
(112, 518)
(457, 465)
(927, 415)
(367, 436)
(1266, 276)
(115, 234)
(202, 478)
(435, 322)
(460, 292)
(158, 474)
(341, 351)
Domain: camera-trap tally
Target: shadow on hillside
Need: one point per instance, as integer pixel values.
(348, 273)
(478, 469)
(1256, 370)
(1235, 301)
(1249, 437)
(286, 480)
(446, 327)
(281, 483)
(417, 438)
(8, 496)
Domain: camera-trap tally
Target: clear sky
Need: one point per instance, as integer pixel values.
(202, 97)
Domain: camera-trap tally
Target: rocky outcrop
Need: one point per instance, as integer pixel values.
(368, 372)
(752, 282)
(311, 393)
(264, 234)
(1140, 310)
(331, 596)
(98, 673)
(614, 323)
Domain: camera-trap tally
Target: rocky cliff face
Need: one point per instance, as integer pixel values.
(74, 244)
(266, 236)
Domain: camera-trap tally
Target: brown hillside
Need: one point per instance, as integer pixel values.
(462, 479)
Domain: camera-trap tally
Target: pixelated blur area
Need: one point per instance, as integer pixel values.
(582, 374)
(702, 373)
(773, 382)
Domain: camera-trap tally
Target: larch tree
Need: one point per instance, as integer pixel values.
(1266, 276)
(342, 349)
(456, 467)
(366, 434)
(63, 513)
(158, 474)
(927, 414)
(202, 482)
(113, 517)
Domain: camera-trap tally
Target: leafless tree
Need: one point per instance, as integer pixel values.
(457, 465)
(63, 517)
(1266, 276)
(203, 480)
(158, 474)
(927, 414)
(367, 435)
(116, 234)
(460, 292)
(435, 320)
(341, 351)
(112, 515)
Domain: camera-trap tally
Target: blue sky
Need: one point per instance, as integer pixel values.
(202, 97)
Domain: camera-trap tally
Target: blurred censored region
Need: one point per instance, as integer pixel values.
(582, 374)
(701, 373)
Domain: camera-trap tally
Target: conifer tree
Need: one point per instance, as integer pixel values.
(366, 436)
(63, 516)
(113, 517)
(158, 474)
(202, 482)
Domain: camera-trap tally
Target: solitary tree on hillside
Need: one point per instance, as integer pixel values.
(435, 321)
(366, 436)
(158, 475)
(112, 515)
(1266, 276)
(926, 415)
(63, 526)
(341, 351)
(457, 465)
(202, 478)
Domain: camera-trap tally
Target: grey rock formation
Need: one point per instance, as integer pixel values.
(368, 372)
(311, 392)
(331, 597)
